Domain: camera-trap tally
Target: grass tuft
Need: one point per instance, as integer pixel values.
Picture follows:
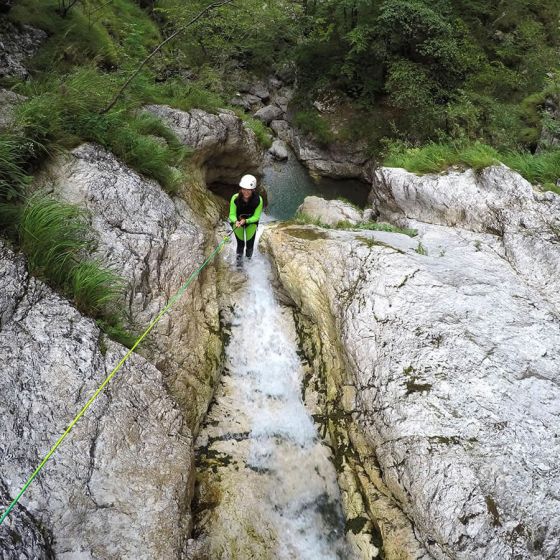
(262, 132)
(436, 157)
(542, 168)
(57, 240)
(66, 111)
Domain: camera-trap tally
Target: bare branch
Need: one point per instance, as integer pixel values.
(208, 8)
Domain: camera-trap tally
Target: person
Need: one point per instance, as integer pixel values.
(245, 209)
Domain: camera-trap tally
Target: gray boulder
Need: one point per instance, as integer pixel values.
(248, 101)
(118, 485)
(330, 212)
(495, 200)
(268, 114)
(282, 102)
(279, 150)
(224, 147)
(282, 130)
(274, 83)
(335, 161)
(260, 90)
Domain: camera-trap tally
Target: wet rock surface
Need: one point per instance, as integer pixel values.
(266, 487)
(123, 471)
(449, 353)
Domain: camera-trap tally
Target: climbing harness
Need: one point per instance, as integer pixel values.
(154, 322)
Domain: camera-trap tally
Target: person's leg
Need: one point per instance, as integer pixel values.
(240, 248)
(250, 245)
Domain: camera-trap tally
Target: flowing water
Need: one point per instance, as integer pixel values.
(267, 487)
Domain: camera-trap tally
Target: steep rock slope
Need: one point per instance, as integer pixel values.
(117, 487)
(440, 356)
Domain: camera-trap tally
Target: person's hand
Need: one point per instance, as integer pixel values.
(242, 221)
(237, 224)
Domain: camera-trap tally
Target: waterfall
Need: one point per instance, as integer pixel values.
(268, 486)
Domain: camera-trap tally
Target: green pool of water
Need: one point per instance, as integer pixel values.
(288, 183)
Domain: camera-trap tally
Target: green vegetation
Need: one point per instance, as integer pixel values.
(66, 111)
(116, 33)
(57, 240)
(460, 69)
(434, 157)
(421, 250)
(310, 122)
(542, 168)
(378, 226)
(262, 132)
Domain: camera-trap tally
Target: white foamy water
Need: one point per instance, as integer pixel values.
(260, 448)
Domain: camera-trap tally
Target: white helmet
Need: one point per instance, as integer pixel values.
(248, 182)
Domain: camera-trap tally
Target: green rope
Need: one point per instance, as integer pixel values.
(154, 322)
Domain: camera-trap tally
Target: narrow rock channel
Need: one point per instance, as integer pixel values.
(266, 487)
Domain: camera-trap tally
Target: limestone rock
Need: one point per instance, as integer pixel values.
(274, 83)
(338, 162)
(268, 114)
(155, 243)
(330, 212)
(21, 538)
(16, 45)
(248, 101)
(223, 145)
(495, 200)
(279, 150)
(282, 102)
(282, 129)
(117, 487)
(8, 101)
(260, 90)
(451, 342)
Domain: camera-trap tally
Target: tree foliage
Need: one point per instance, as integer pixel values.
(446, 67)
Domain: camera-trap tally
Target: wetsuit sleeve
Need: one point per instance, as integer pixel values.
(233, 209)
(256, 214)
